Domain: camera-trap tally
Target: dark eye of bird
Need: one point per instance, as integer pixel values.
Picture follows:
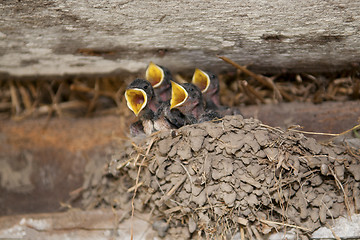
(145, 87)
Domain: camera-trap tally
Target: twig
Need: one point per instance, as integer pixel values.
(284, 224)
(256, 233)
(246, 85)
(123, 164)
(187, 172)
(242, 233)
(175, 187)
(326, 134)
(136, 187)
(76, 191)
(174, 209)
(272, 128)
(249, 231)
(95, 97)
(340, 186)
(133, 200)
(63, 106)
(54, 104)
(259, 78)
(244, 89)
(138, 149)
(83, 88)
(285, 94)
(268, 82)
(25, 96)
(333, 232)
(207, 207)
(14, 98)
(348, 148)
(246, 92)
(314, 133)
(33, 91)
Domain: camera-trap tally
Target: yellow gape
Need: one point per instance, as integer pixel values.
(154, 74)
(201, 79)
(178, 95)
(136, 100)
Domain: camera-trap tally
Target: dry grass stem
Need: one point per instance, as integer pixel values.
(340, 186)
(256, 233)
(176, 186)
(242, 233)
(333, 232)
(136, 186)
(14, 99)
(284, 224)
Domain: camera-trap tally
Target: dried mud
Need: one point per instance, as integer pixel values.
(215, 179)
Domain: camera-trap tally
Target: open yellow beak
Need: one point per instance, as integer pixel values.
(178, 95)
(154, 74)
(136, 99)
(201, 79)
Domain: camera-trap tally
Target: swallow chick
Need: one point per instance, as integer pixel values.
(140, 99)
(160, 79)
(188, 99)
(209, 85)
(167, 118)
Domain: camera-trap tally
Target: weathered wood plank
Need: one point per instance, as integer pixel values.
(39, 37)
(57, 37)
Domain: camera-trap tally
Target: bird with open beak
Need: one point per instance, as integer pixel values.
(167, 118)
(188, 99)
(141, 101)
(160, 78)
(209, 85)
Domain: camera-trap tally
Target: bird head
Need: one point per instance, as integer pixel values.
(201, 79)
(187, 98)
(155, 75)
(160, 78)
(139, 95)
(208, 83)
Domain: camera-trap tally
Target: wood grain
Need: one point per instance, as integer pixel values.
(70, 37)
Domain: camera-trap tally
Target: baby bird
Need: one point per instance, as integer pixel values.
(167, 118)
(153, 116)
(188, 99)
(209, 85)
(160, 78)
(141, 100)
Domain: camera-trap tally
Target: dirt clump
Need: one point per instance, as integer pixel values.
(214, 178)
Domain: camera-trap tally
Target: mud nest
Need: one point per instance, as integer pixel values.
(218, 179)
